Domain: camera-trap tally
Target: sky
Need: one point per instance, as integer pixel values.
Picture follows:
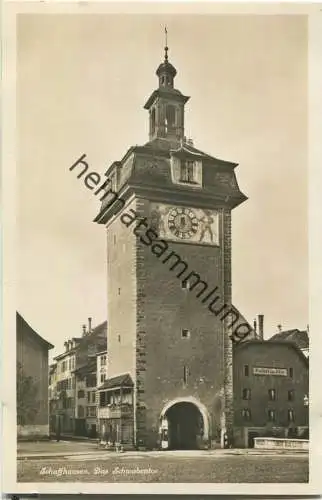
(82, 81)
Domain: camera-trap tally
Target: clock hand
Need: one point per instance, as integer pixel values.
(182, 222)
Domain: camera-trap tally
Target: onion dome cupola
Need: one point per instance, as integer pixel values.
(166, 105)
(166, 72)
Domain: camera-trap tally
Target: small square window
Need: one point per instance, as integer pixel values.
(186, 374)
(185, 334)
(246, 370)
(272, 394)
(185, 285)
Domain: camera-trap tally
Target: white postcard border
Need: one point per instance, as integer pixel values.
(9, 155)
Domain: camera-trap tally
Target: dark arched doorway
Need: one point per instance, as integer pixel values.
(185, 426)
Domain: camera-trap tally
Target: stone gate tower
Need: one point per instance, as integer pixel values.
(167, 210)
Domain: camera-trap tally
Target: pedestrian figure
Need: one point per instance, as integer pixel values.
(225, 440)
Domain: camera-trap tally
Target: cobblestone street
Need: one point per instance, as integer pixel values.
(83, 462)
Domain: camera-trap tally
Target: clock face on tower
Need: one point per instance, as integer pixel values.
(183, 222)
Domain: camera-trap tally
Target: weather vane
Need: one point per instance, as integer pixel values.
(166, 43)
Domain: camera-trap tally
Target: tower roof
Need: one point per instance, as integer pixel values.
(166, 68)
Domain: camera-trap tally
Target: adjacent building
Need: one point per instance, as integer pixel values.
(73, 382)
(32, 381)
(271, 387)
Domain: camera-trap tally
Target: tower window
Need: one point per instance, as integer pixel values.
(272, 394)
(170, 117)
(113, 182)
(246, 394)
(185, 334)
(153, 121)
(185, 374)
(119, 338)
(246, 370)
(187, 171)
(185, 285)
(291, 372)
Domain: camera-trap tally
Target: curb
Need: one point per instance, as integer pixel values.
(100, 454)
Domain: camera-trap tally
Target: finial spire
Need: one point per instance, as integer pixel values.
(166, 48)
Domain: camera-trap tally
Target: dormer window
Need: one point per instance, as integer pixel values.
(187, 171)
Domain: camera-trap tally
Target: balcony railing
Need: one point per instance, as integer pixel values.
(114, 411)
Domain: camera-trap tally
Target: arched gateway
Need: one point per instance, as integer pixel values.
(184, 424)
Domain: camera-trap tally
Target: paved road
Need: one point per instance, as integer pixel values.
(217, 466)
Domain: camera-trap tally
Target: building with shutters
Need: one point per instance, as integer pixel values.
(271, 388)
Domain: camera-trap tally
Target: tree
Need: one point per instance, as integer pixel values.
(27, 404)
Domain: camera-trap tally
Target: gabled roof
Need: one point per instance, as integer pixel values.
(98, 336)
(124, 380)
(299, 337)
(23, 327)
(186, 148)
(86, 368)
(267, 343)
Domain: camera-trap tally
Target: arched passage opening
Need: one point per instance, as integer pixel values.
(185, 425)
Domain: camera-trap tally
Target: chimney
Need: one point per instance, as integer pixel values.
(261, 327)
(84, 330)
(255, 328)
(66, 346)
(190, 142)
(89, 325)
